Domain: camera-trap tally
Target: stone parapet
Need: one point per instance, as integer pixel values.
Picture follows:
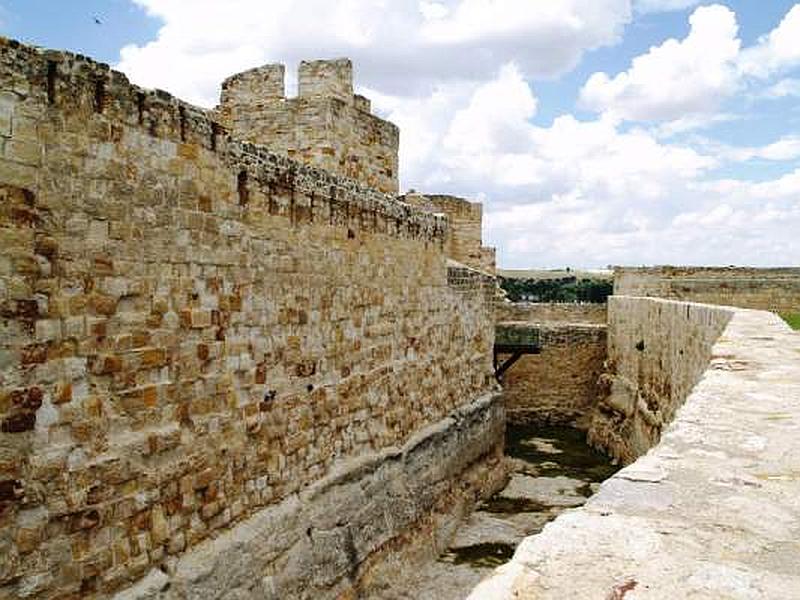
(776, 289)
(710, 511)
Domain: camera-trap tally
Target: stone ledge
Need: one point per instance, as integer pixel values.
(710, 512)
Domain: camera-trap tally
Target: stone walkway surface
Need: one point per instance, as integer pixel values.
(712, 512)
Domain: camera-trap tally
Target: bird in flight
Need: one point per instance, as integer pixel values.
(97, 21)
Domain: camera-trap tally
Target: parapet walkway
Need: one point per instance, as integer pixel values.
(712, 512)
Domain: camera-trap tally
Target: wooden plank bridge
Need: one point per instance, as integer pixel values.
(514, 340)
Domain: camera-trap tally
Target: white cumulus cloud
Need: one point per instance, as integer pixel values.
(677, 79)
(400, 47)
(777, 51)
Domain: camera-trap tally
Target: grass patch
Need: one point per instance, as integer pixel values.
(793, 319)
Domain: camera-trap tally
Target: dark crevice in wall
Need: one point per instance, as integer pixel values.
(215, 131)
(99, 95)
(182, 124)
(140, 98)
(52, 68)
(241, 186)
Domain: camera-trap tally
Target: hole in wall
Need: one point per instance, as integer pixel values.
(140, 98)
(215, 131)
(182, 120)
(241, 186)
(99, 95)
(52, 69)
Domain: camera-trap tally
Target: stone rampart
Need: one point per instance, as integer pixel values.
(764, 289)
(541, 312)
(711, 510)
(195, 330)
(657, 351)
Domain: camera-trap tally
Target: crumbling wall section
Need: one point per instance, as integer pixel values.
(194, 329)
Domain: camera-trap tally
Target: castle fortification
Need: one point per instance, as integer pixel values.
(326, 125)
(224, 370)
(235, 364)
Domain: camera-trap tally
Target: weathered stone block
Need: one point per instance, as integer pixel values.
(23, 151)
(19, 422)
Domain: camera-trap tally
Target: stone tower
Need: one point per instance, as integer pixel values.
(326, 125)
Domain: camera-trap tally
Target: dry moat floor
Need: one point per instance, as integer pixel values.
(552, 470)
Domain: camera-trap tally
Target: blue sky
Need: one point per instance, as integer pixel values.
(70, 25)
(595, 131)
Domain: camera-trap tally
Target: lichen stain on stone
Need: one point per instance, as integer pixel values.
(619, 591)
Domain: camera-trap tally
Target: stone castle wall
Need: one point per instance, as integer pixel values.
(559, 386)
(463, 242)
(326, 125)
(195, 329)
(657, 351)
(764, 289)
(541, 312)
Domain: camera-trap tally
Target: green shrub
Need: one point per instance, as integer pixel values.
(562, 289)
(793, 319)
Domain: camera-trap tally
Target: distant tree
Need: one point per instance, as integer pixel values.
(563, 289)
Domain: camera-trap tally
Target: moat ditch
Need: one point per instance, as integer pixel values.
(552, 470)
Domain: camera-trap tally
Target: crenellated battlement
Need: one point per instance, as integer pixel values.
(86, 90)
(326, 79)
(326, 124)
